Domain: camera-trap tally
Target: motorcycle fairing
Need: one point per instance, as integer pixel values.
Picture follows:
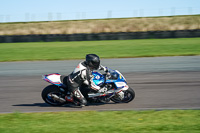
(98, 78)
(120, 84)
(120, 81)
(121, 77)
(53, 78)
(121, 88)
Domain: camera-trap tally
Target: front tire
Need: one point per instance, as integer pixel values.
(129, 95)
(51, 89)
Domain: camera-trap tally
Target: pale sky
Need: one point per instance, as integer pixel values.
(47, 10)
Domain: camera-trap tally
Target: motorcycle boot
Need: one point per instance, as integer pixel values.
(83, 102)
(80, 97)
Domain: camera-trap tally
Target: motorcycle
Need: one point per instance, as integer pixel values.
(115, 89)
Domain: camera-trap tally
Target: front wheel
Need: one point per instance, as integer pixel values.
(128, 96)
(47, 95)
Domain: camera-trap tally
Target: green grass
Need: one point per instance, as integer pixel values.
(168, 121)
(105, 49)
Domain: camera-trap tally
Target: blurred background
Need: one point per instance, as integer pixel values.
(101, 14)
(63, 17)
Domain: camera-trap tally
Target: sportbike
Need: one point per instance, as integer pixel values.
(115, 87)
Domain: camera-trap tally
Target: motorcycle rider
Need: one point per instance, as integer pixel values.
(82, 74)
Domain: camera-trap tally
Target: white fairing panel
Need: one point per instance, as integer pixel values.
(54, 78)
(120, 84)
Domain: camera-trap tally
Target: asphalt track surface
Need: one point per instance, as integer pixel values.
(159, 83)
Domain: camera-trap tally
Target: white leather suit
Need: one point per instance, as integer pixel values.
(82, 75)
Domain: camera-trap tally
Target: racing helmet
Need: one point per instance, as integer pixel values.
(93, 61)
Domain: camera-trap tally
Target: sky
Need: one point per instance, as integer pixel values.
(48, 10)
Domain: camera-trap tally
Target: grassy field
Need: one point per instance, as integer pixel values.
(103, 25)
(168, 121)
(105, 49)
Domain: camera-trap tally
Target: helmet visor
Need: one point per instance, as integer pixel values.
(95, 64)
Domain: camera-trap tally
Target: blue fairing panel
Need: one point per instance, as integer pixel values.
(98, 78)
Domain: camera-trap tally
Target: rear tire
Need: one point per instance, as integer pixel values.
(129, 95)
(51, 89)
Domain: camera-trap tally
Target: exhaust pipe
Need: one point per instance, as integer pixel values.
(55, 97)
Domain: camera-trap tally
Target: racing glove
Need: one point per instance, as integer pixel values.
(94, 87)
(108, 75)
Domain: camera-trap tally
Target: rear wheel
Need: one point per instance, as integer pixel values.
(129, 95)
(47, 95)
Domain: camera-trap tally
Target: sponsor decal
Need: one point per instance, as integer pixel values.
(97, 77)
(120, 84)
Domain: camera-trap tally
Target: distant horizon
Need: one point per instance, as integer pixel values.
(96, 19)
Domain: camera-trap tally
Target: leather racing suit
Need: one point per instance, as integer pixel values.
(82, 75)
